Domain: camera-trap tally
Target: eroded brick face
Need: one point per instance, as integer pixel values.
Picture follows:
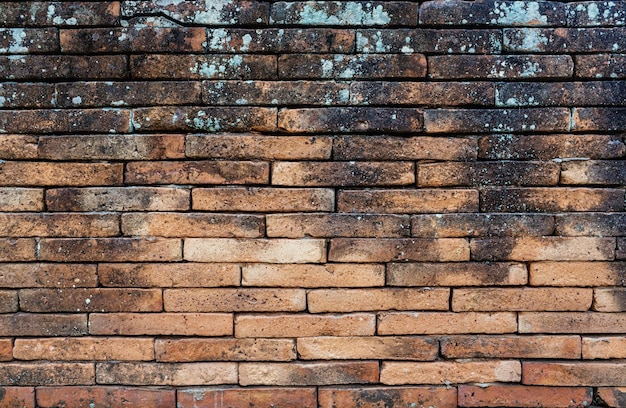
(332, 204)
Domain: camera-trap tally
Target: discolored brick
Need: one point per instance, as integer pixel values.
(337, 225)
(520, 395)
(255, 250)
(28, 40)
(8, 301)
(603, 347)
(422, 93)
(162, 324)
(85, 348)
(363, 348)
(500, 66)
(552, 199)
(396, 373)
(590, 224)
(543, 249)
(254, 199)
(481, 225)
(63, 67)
(6, 350)
(103, 396)
(192, 225)
(304, 325)
(65, 121)
(18, 146)
(571, 322)
(605, 93)
(371, 397)
(249, 396)
(182, 374)
(609, 300)
(197, 172)
(168, 275)
(613, 397)
(407, 201)
(594, 119)
(325, 373)
(446, 323)
(29, 95)
(574, 374)
(47, 275)
(46, 373)
(511, 347)
(43, 325)
(350, 300)
(600, 65)
(59, 225)
(308, 275)
(523, 299)
(595, 13)
(456, 274)
(17, 249)
(190, 350)
(85, 300)
(310, 13)
(400, 249)
(118, 199)
(593, 172)
(18, 397)
(234, 300)
(578, 274)
(569, 40)
(110, 249)
(66, 13)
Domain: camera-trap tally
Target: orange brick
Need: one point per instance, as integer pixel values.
(523, 396)
(389, 249)
(118, 199)
(234, 300)
(169, 275)
(593, 172)
(343, 173)
(543, 249)
(6, 349)
(59, 225)
(110, 249)
(166, 374)
(551, 199)
(613, 397)
(41, 275)
(8, 301)
(20, 249)
(256, 199)
(86, 300)
(47, 373)
(23, 397)
(398, 373)
(305, 325)
(255, 250)
(364, 348)
(374, 397)
(572, 322)
(407, 201)
(352, 300)
(327, 373)
(609, 300)
(312, 276)
(524, 299)
(193, 225)
(84, 348)
(166, 324)
(577, 273)
(248, 397)
(18, 146)
(511, 347)
(598, 119)
(604, 347)
(104, 397)
(337, 225)
(456, 274)
(43, 325)
(197, 172)
(21, 199)
(191, 350)
(445, 323)
(574, 374)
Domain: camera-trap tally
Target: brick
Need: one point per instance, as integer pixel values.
(60, 225)
(609, 300)
(553, 199)
(28, 40)
(18, 397)
(234, 300)
(165, 324)
(500, 66)
(390, 323)
(6, 350)
(363, 348)
(390, 249)
(26, 324)
(255, 250)
(65, 121)
(496, 120)
(29, 13)
(511, 347)
(259, 147)
(530, 147)
(77, 300)
(355, 147)
(351, 300)
(343, 174)
(94, 94)
(560, 93)
(557, 40)
(133, 39)
(601, 66)
(304, 325)
(326, 373)
(574, 374)
(238, 397)
(407, 201)
(312, 276)
(259, 199)
(422, 93)
(8, 301)
(275, 93)
(593, 119)
(18, 147)
(524, 299)
(85, 348)
(578, 274)
(543, 249)
(197, 172)
(193, 225)
(348, 120)
(348, 67)
(17, 249)
(555, 322)
(46, 373)
(591, 14)
(480, 225)
(187, 66)
(337, 225)
(16, 95)
(613, 397)
(603, 347)
(593, 172)
(118, 199)
(506, 13)
(166, 374)
(371, 397)
(53, 174)
(620, 250)
(63, 67)
(191, 350)
(456, 274)
(103, 396)
(310, 13)
(520, 395)
(590, 224)
(210, 119)
(110, 249)
(398, 373)
(168, 275)
(280, 41)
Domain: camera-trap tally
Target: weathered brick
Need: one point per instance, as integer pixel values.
(193, 225)
(65, 67)
(70, 13)
(372, 397)
(603, 347)
(363, 348)
(445, 323)
(256, 199)
(168, 275)
(20, 173)
(524, 299)
(613, 397)
(259, 147)
(422, 93)
(43, 325)
(609, 300)
(553, 199)
(600, 66)
(17, 95)
(18, 397)
(620, 250)
(234, 300)
(403, 148)
(305, 325)
(17, 146)
(511, 347)
(104, 396)
(8, 301)
(166, 373)
(28, 40)
(6, 350)
(564, 40)
(336, 225)
(65, 121)
(574, 374)
(407, 201)
(85, 300)
(543, 249)
(348, 120)
(344, 13)
(249, 396)
(85, 348)
(312, 276)
(389, 249)
(594, 119)
(496, 120)
(326, 373)
(572, 322)
(456, 274)
(500, 66)
(395, 373)
(46, 373)
(90, 94)
(593, 172)
(186, 66)
(191, 350)
(604, 93)
(118, 199)
(110, 249)
(578, 274)
(59, 225)
(343, 174)
(347, 67)
(592, 13)
(590, 224)
(351, 300)
(520, 395)
(17, 249)
(480, 225)
(165, 324)
(197, 172)
(255, 250)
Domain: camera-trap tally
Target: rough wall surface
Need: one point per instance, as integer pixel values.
(229, 203)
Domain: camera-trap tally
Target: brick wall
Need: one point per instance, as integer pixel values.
(229, 203)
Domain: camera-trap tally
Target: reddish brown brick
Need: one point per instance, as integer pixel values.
(348, 120)
(19, 173)
(511, 347)
(445, 323)
(85, 300)
(118, 199)
(63, 67)
(543, 249)
(601, 66)
(312, 276)
(8, 301)
(388, 250)
(239, 397)
(370, 397)
(234, 300)
(168, 275)
(390, 13)
(560, 93)
(570, 40)
(363, 348)
(351, 300)
(589, 14)
(191, 350)
(255, 199)
(337, 225)
(193, 225)
(603, 347)
(17, 397)
(110, 249)
(524, 299)
(578, 273)
(70, 13)
(166, 374)
(442, 372)
(16, 95)
(255, 250)
(603, 119)
(326, 373)
(6, 350)
(59, 225)
(456, 274)
(85, 348)
(480, 225)
(47, 373)
(407, 201)
(197, 172)
(18, 146)
(16, 250)
(553, 199)
(422, 93)
(65, 121)
(574, 374)
(500, 67)
(593, 172)
(164, 324)
(103, 397)
(305, 325)
(613, 397)
(572, 322)
(520, 395)
(43, 325)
